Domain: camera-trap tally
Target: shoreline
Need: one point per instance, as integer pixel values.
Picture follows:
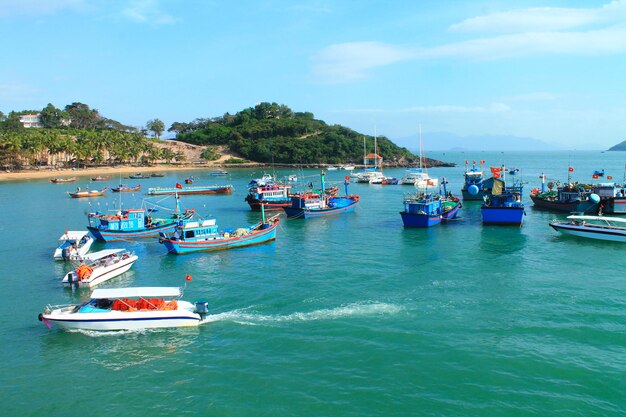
(43, 173)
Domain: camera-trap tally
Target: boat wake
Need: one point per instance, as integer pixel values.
(243, 316)
(116, 333)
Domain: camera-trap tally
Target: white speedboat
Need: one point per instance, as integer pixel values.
(73, 245)
(369, 176)
(418, 178)
(593, 227)
(332, 168)
(101, 266)
(348, 167)
(128, 309)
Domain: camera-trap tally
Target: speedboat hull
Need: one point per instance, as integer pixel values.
(123, 320)
(590, 232)
(101, 274)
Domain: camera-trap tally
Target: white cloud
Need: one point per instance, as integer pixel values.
(543, 19)
(147, 11)
(350, 61)
(37, 7)
(540, 31)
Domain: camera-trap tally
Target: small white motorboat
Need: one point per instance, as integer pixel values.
(128, 309)
(100, 266)
(73, 245)
(593, 227)
(348, 167)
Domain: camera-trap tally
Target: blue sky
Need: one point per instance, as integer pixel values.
(550, 70)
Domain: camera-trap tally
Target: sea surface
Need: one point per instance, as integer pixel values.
(345, 316)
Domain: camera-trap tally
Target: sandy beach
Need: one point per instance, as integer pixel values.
(102, 171)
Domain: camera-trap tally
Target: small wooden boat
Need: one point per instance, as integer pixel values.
(99, 178)
(189, 180)
(73, 245)
(62, 180)
(593, 227)
(157, 175)
(139, 176)
(128, 309)
(307, 205)
(218, 173)
(204, 235)
(126, 189)
(199, 189)
(88, 193)
(99, 267)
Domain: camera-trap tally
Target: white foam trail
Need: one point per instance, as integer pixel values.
(104, 333)
(350, 310)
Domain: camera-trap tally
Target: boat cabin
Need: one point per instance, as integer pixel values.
(131, 299)
(197, 230)
(423, 204)
(122, 220)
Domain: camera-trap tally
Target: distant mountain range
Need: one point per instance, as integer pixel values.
(444, 141)
(619, 147)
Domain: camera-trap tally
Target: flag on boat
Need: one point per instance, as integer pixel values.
(482, 161)
(473, 162)
(467, 163)
(595, 176)
(609, 177)
(179, 186)
(188, 277)
(570, 169)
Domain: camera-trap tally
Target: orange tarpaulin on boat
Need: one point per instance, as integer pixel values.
(84, 271)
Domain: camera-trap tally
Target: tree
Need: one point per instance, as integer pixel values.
(51, 117)
(12, 122)
(82, 117)
(156, 126)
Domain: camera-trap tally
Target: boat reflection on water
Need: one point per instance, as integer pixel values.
(502, 241)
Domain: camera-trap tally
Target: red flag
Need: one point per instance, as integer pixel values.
(496, 174)
(467, 163)
(609, 177)
(595, 177)
(179, 186)
(495, 170)
(482, 161)
(570, 169)
(188, 277)
(474, 162)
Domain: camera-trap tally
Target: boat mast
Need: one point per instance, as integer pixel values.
(421, 146)
(376, 151)
(364, 154)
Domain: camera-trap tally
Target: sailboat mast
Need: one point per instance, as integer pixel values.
(421, 146)
(364, 154)
(376, 149)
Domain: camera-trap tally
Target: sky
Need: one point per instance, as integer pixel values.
(549, 70)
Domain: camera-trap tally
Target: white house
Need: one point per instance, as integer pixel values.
(31, 120)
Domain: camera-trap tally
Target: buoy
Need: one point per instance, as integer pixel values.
(594, 198)
(472, 189)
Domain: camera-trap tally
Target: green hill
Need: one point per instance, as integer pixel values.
(272, 133)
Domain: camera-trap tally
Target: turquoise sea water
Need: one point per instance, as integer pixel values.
(345, 316)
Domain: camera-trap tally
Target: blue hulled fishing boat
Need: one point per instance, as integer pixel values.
(312, 204)
(473, 188)
(426, 209)
(571, 198)
(133, 223)
(204, 235)
(503, 205)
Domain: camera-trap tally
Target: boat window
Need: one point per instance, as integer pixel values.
(189, 233)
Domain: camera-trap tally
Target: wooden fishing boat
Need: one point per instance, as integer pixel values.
(271, 196)
(128, 309)
(204, 235)
(126, 189)
(593, 227)
(319, 204)
(197, 189)
(139, 176)
(157, 175)
(99, 178)
(218, 173)
(473, 186)
(503, 204)
(189, 180)
(88, 193)
(428, 209)
(62, 180)
(132, 224)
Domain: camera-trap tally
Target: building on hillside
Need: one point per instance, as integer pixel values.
(373, 159)
(31, 120)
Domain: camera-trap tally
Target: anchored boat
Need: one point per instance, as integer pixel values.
(128, 309)
(126, 189)
(593, 227)
(100, 266)
(271, 196)
(62, 180)
(87, 193)
(313, 204)
(199, 189)
(503, 204)
(73, 245)
(473, 189)
(426, 209)
(204, 235)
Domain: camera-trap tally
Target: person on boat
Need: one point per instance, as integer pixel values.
(176, 235)
(78, 189)
(148, 221)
